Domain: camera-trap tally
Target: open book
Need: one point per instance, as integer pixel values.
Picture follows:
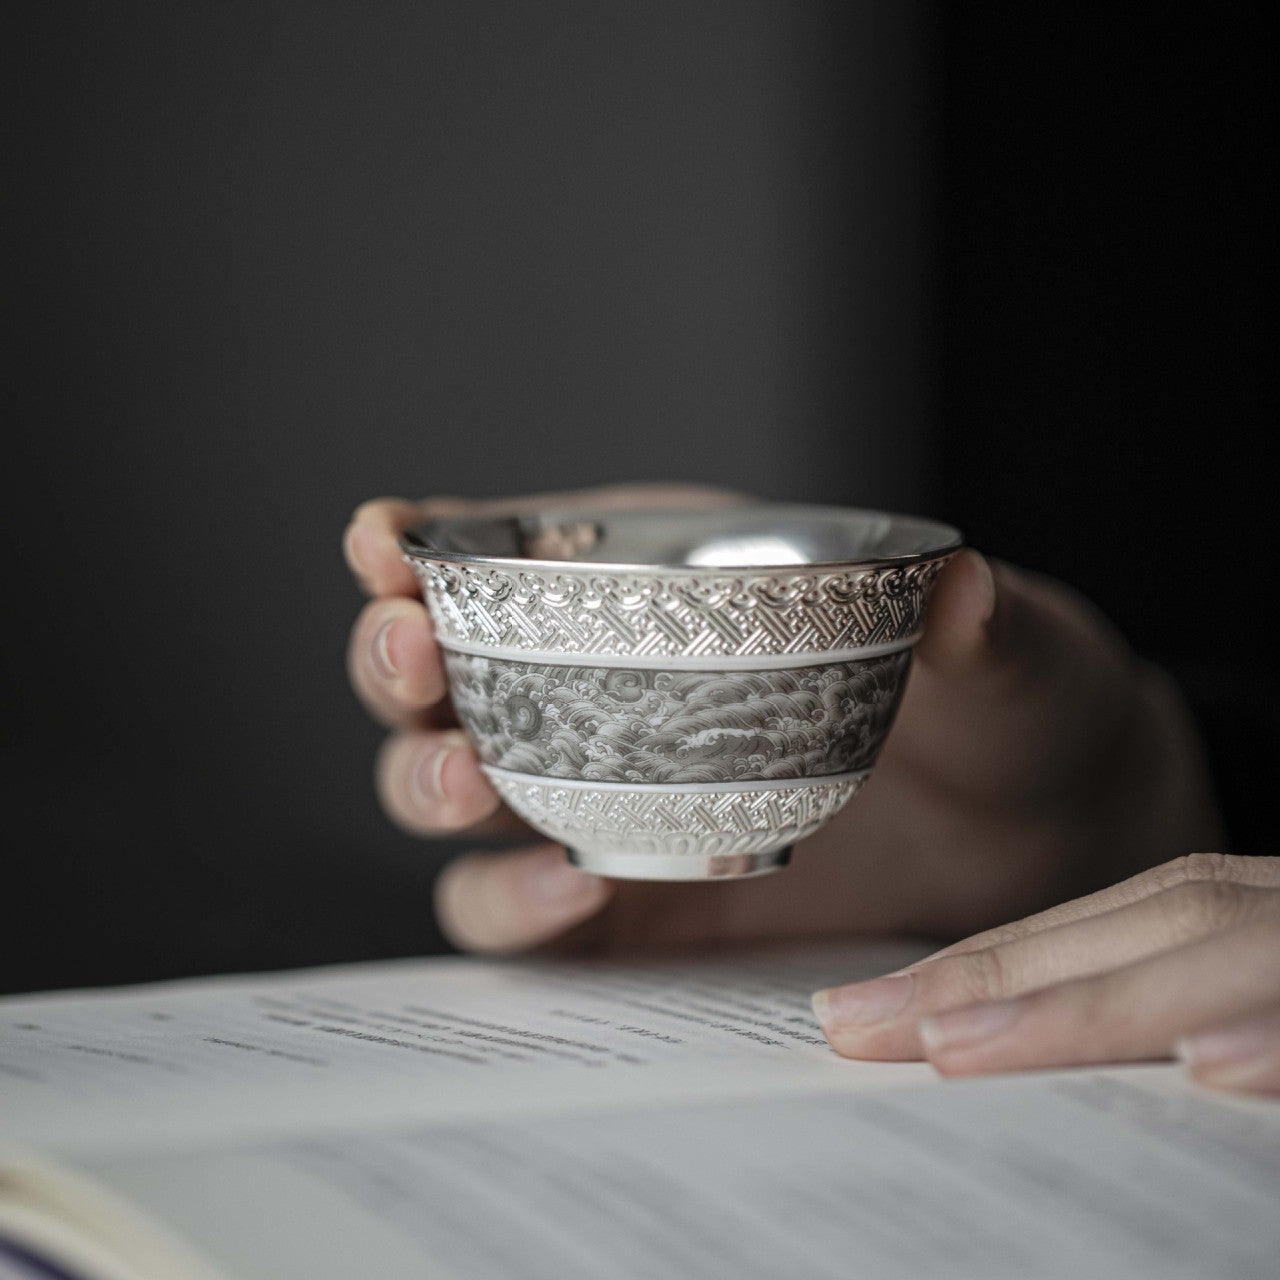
(463, 1118)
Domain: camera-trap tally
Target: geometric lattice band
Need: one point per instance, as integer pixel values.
(687, 822)
(694, 617)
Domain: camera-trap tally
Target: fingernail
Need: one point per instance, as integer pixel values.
(554, 881)
(959, 1028)
(429, 776)
(862, 1003)
(382, 651)
(1234, 1053)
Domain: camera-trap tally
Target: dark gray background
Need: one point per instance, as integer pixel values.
(274, 259)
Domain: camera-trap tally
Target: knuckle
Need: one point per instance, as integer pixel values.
(983, 975)
(1006, 933)
(1194, 868)
(1210, 867)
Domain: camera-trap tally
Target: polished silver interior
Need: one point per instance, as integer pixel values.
(754, 535)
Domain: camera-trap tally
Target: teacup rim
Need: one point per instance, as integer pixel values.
(414, 543)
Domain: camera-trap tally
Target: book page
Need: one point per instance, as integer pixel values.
(581, 1118)
(432, 1039)
(1128, 1173)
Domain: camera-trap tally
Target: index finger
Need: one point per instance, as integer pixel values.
(371, 542)
(372, 549)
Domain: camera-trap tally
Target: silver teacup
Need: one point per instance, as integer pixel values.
(678, 695)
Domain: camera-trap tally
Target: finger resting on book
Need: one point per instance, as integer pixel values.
(882, 1019)
(1135, 1013)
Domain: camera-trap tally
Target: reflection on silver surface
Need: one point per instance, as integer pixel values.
(753, 535)
(745, 549)
(678, 866)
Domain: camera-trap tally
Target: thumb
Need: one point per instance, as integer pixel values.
(990, 618)
(1019, 685)
(962, 607)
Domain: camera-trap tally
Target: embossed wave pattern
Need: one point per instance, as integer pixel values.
(615, 725)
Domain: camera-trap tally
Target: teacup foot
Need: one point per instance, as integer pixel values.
(675, 866)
